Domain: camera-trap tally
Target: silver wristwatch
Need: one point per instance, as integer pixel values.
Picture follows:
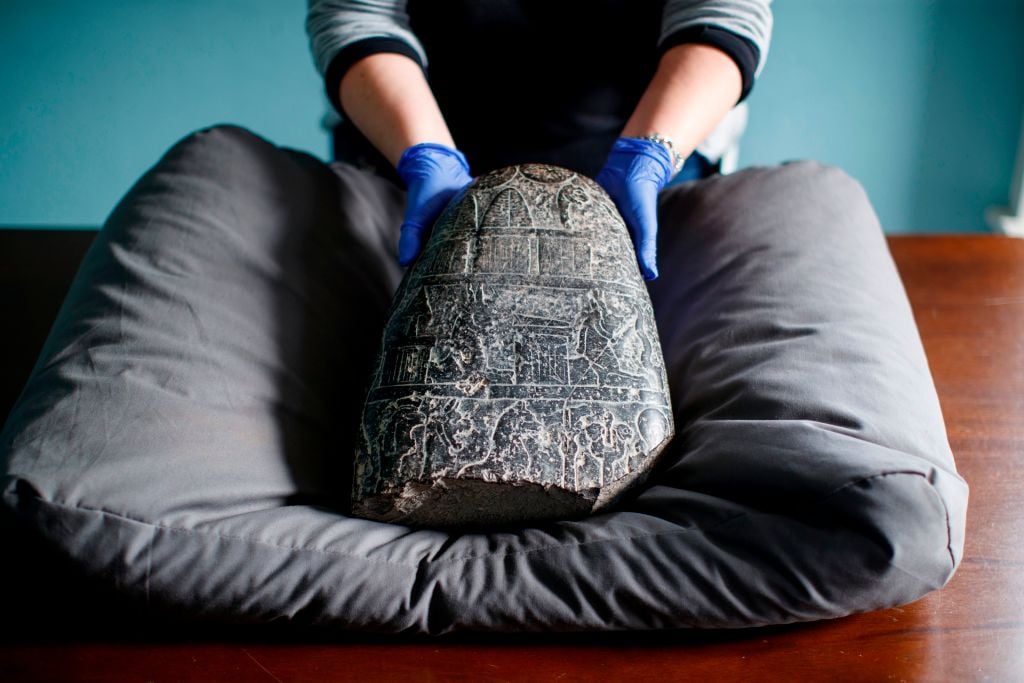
(677, 159)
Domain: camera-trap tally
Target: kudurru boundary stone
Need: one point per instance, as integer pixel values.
(520, 376)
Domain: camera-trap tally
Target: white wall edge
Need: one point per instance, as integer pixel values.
(1002, 221)
(1009, 220)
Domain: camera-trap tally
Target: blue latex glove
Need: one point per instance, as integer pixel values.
(433, 174)
(634, 173)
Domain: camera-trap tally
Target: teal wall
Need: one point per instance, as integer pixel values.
(921, 100)
(92, 92)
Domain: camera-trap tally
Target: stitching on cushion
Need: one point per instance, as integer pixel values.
(949, 535)
(949, 524)
(942, 502)
(935, 491)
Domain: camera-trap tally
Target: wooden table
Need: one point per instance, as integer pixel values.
(968, 296)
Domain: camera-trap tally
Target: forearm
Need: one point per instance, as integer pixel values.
(693, 88)
(388, 99)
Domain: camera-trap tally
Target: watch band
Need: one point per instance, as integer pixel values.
(677, 159)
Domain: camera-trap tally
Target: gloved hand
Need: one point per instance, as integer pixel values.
(433, 174)
(636, 170)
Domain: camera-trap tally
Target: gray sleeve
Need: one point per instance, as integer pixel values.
(334, 24)
(750, 19)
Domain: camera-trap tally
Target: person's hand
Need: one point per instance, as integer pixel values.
(433, 174)
(636, 170)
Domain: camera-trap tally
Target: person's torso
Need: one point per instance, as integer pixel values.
(520, 81)
(549, 81)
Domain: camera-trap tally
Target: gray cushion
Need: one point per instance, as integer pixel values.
(186, 436)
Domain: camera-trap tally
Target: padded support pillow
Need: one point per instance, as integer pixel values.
(187, 433)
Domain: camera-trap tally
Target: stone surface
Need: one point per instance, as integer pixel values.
(520, 376)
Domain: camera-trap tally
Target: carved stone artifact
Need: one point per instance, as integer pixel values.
(520, 376)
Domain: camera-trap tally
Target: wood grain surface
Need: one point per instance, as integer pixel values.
(968, 297)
